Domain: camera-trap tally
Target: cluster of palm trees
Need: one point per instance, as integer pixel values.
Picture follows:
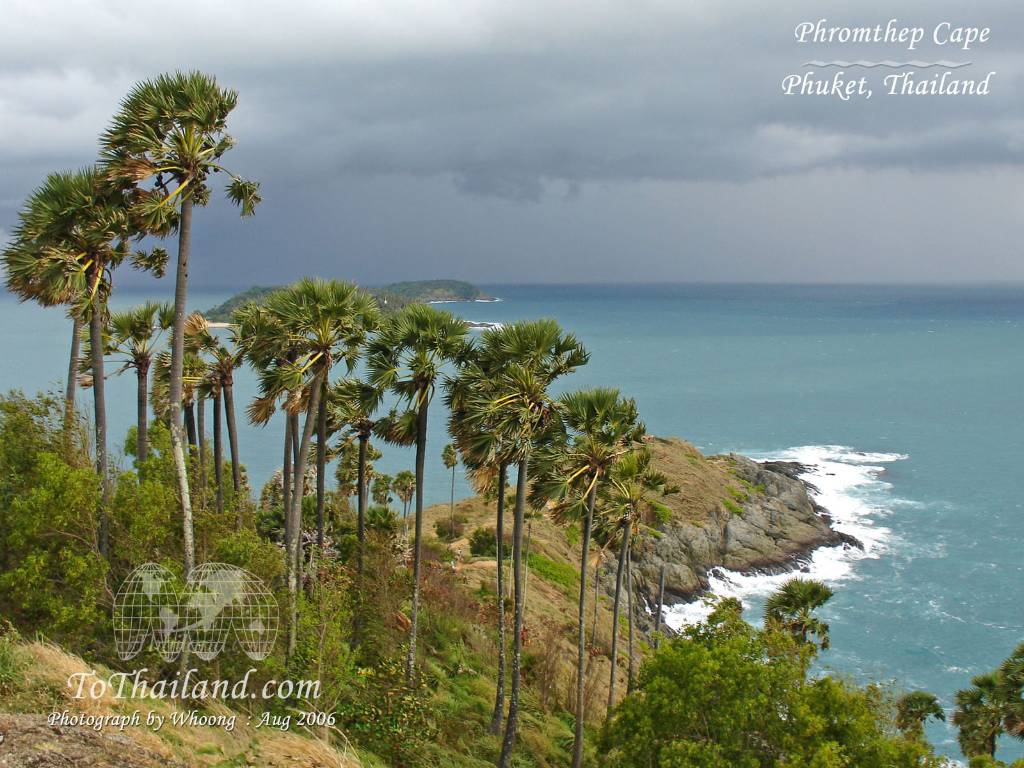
(156, 163)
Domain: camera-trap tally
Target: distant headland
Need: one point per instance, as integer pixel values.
(391, 297)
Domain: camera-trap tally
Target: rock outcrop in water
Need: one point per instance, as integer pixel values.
(731, 513)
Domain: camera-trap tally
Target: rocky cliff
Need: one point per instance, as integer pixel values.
(731, 512)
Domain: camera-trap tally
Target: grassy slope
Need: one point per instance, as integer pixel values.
(41, 688)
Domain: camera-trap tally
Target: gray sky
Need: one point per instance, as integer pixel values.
(547, 141)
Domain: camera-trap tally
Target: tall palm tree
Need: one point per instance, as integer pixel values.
(600, 426)
(980, 714)
(167, 139)
(223, 361)
(790, 609)
(71, 234)
(451, 460)
(382, 490)
(1012, 673)
(353, 403)
(321, 322)
(407, 357)
(133, 335)
(914, 709)
(405, 488)
(633, 489)
(505, 412)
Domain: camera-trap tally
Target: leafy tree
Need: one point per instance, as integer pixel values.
(727, 694)
(168, 137)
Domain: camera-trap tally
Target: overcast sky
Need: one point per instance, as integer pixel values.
(547, 141)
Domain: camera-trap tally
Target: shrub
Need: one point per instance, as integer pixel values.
(448, 529)
(482, 543)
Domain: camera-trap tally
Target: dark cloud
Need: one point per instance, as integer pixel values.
(546, 140)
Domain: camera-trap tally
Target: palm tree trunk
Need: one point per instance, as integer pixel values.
(69, 395)
(190, 427)
(421, 452)
(296, 512)
(296, 469)
(597, 592)
(616, 604)
(201, 428)
(453, 504)
(286, 476)
(142, 410)
(581, 637)
(177, 366)
(218, 453)
(364, 440)
(499, 549)
(629, 615)
(321, 466)
(512, 723)
(236, 466)
(100, 417)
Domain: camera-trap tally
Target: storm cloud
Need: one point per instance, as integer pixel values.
(547, 141)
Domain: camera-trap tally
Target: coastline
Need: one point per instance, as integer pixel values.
(811, 518)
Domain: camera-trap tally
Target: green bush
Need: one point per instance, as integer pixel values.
(483, 543)
(448, 529)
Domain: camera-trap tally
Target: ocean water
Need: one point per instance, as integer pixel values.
(905, 403)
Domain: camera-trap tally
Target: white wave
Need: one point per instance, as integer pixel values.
(848, 484)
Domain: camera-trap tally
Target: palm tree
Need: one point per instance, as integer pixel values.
(789, 609)
(320, 322)
(506, 412)
(600, 426)
(404, 486)
(913, 710)
(221, 379)
(382, 490)
(451, 461)
(71, 234)
(979, 715)
(134, 335)
(1012, 673)
(352, 403)
(166, 140)
(407, 357)
(633, 485)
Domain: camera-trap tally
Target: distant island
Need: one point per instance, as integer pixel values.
(390, 297)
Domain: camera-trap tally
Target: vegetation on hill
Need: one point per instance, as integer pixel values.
(390, 297)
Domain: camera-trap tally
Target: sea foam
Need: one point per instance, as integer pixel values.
(849, 485)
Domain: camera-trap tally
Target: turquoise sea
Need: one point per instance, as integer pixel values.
(907, 401)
